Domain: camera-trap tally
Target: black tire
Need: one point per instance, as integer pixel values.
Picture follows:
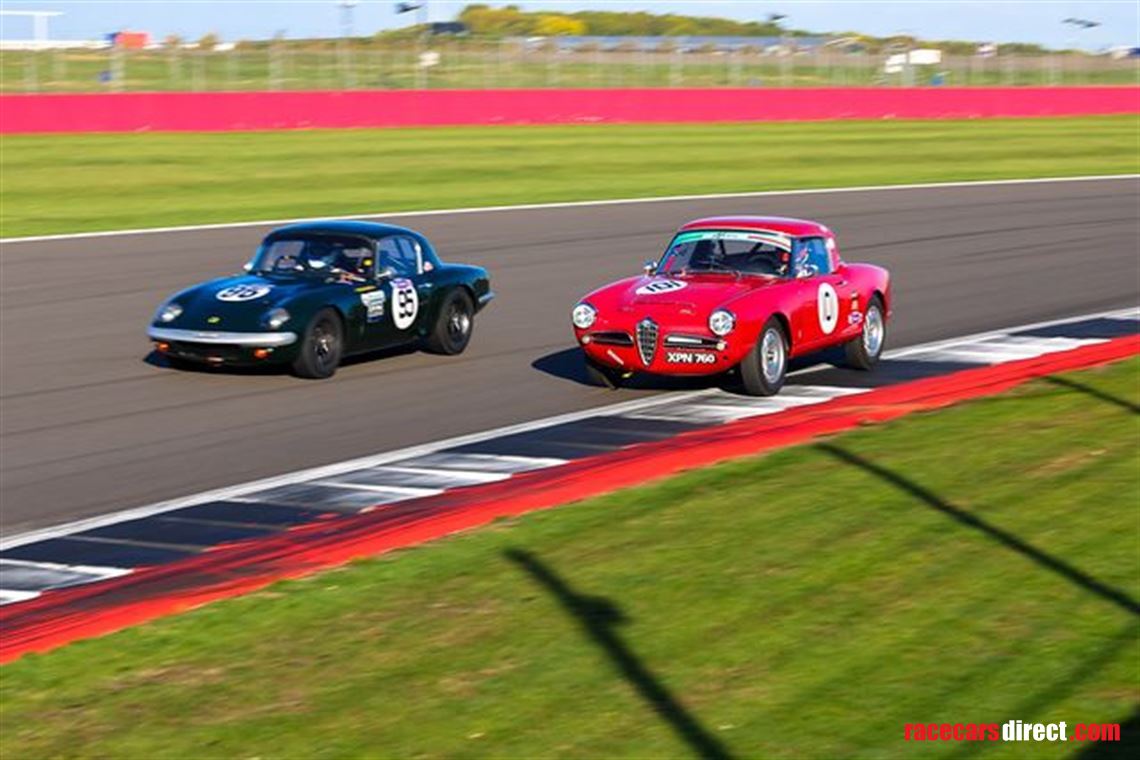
(452, 329)
(603, 376)
(322, 346)
(864, 352)
(763, 370)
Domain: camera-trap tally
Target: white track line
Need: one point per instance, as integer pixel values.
(570, 204)
(330, 471)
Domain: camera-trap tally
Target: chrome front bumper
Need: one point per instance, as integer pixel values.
(209, 337)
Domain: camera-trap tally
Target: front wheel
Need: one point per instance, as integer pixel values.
(321, 347)
(603, 376)
(452, 330)
(863, 352)
(764, 368)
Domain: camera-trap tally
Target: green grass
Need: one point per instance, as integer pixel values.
(956, 566)
(74, 183)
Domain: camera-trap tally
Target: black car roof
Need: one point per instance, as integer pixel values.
(343, 227)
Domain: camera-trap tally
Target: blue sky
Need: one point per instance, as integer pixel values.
(1001, 20)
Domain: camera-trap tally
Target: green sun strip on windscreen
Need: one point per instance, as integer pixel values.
(772, 238)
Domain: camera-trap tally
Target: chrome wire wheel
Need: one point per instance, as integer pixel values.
(873, 331)
(458, 322)
(325, 345)
(772, 356)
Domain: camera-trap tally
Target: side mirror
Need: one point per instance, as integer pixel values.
(649, 266)
(806, 271)
(247, 266)
(386, 273)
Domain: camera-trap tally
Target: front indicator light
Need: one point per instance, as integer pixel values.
(163, 347)
(584, 316)
(721, 322)
(262, 353)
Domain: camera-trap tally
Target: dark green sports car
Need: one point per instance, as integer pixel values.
(319, 291)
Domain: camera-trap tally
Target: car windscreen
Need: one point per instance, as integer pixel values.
(759, 253)
(315, 254)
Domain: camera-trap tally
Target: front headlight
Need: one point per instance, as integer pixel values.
(276, 317)
(721, 322)
(584, 316)
(169, 312)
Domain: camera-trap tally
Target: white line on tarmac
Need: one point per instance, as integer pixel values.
(568, 204)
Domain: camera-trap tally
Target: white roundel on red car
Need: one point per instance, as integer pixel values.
(242, 292)
(405, 303)
(828, 303)
(657, 287)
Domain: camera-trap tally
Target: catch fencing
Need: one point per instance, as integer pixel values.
(472, 63)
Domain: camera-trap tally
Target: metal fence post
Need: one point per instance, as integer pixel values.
(118, 69)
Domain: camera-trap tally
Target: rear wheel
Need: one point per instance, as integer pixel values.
(764, 368)
(864, 351)
(452, 330)
(321, 347)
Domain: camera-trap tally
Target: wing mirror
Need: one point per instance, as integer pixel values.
(649, 266)
(805, 271)
(247, 266)
(385, 273)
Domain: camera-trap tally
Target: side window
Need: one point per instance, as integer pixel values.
(812, 253)
(398, 253)
(409, 257)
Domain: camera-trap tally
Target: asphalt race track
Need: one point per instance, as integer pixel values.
(91, 425)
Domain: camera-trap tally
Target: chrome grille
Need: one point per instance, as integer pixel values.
(647, 340)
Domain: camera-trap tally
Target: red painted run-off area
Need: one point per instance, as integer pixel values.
(226, 111)
(60, 617)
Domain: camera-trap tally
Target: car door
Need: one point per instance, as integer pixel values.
(402, 294)
(823, 297)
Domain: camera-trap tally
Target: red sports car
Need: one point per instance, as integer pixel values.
(746, 292)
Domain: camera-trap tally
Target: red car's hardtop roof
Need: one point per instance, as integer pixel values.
(786, 225)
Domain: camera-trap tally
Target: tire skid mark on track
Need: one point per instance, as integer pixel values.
(81, 553)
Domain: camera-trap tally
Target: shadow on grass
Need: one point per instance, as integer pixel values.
(1126, 749)
(1064, 685)
(1096, 393)
(1003, 537)
(599, 618)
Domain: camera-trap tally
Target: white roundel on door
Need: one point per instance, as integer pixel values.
(405, 303)
(828, 303)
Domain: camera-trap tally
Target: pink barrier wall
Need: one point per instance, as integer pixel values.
(223, 111)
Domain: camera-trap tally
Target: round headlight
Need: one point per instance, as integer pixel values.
(169, 312)
(721, 322)
(584, 316)
(276, 317)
